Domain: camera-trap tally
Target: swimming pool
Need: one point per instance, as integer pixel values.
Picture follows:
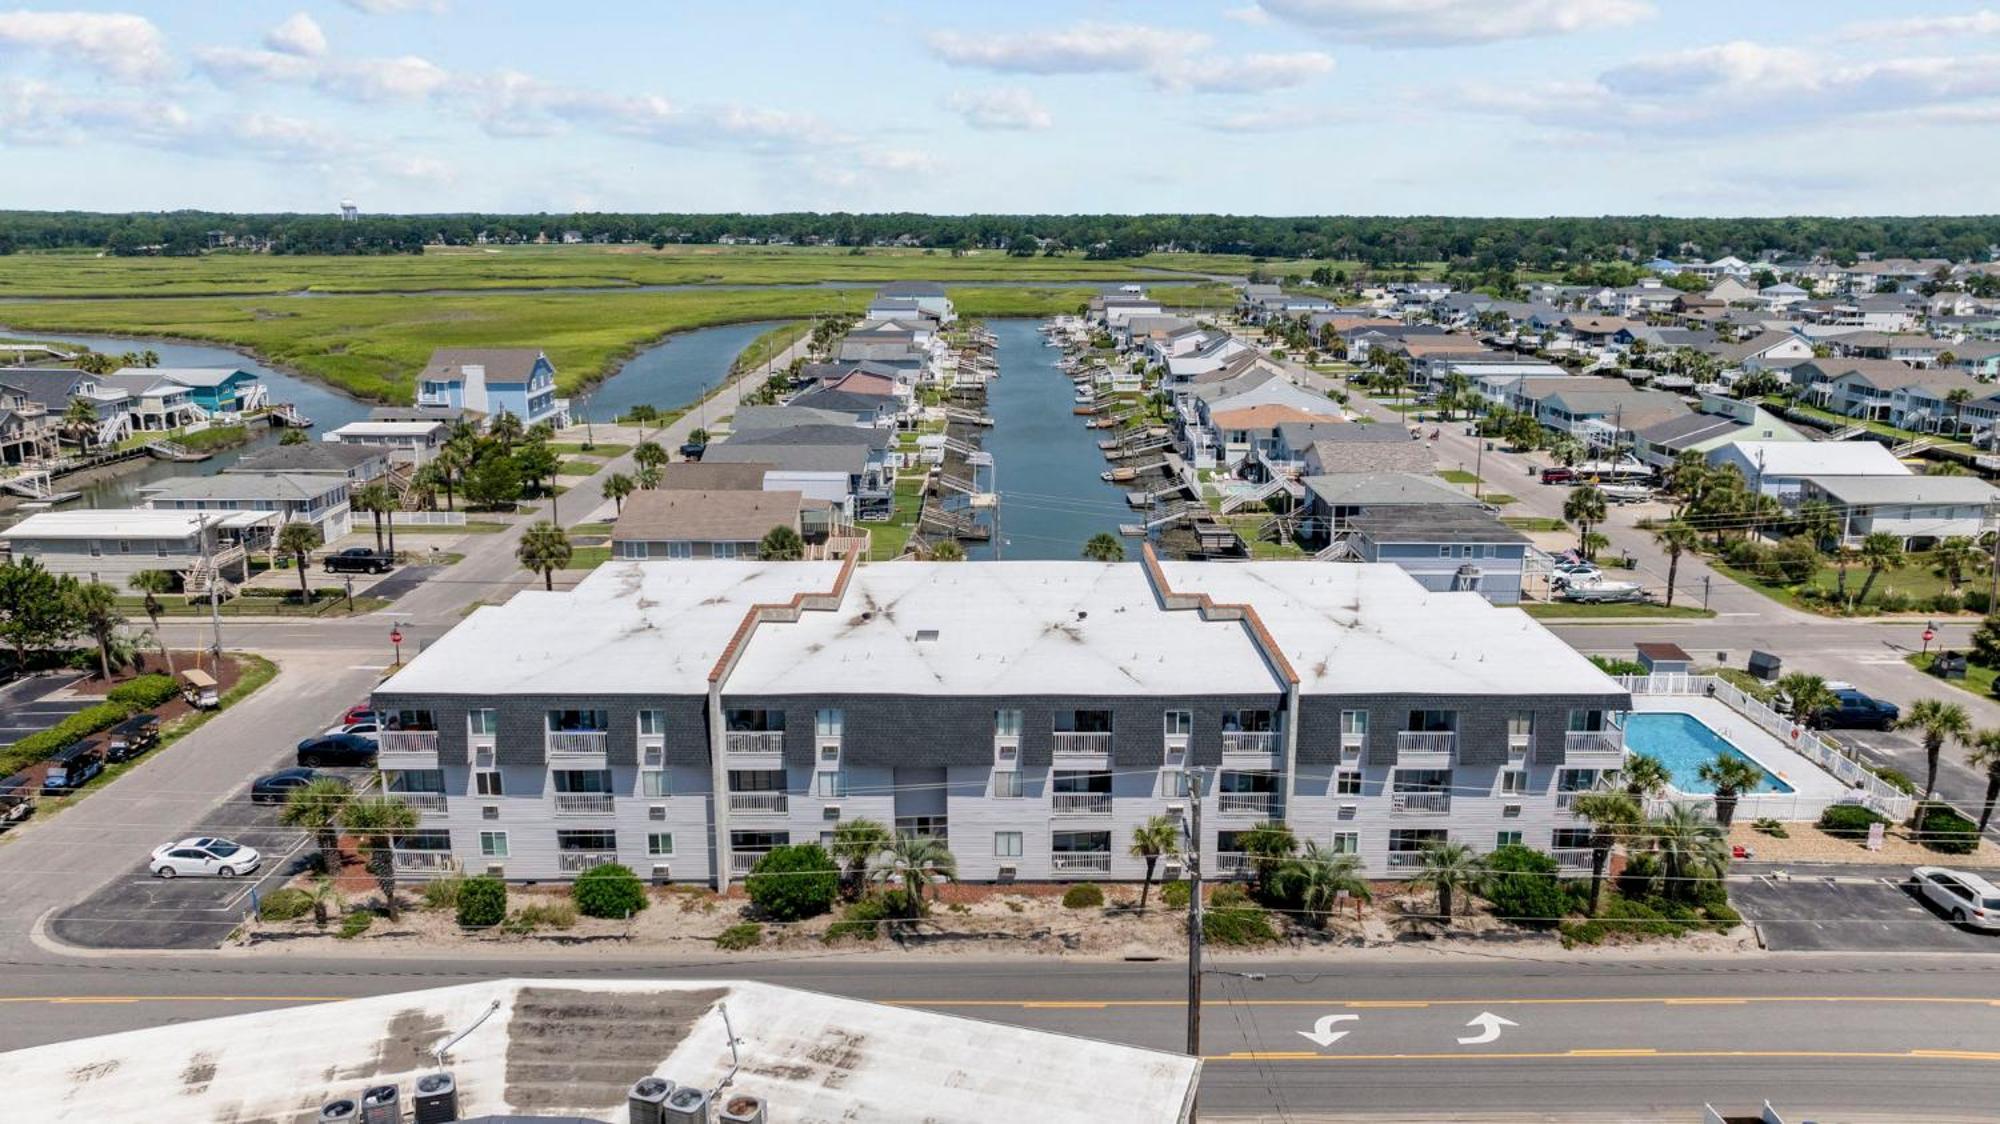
(1684, 743)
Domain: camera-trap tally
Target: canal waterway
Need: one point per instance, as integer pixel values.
(672, 373)
(1052, 496)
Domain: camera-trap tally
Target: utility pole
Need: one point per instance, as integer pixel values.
(214, 599)
(1993, 590)
(1193, 863)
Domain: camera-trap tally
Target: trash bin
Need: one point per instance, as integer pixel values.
(1949, 665)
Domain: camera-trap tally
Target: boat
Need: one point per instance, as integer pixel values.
(1119, 475)
(1626, 493)
(1600, 591)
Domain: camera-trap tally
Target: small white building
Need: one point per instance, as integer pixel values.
(1779, 468)
(110, 545)
(415, 439)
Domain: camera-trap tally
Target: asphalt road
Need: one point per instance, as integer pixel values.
(26, 709)
(1598, 1039)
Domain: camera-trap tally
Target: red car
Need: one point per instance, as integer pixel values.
(361, 712)
(1559, 475)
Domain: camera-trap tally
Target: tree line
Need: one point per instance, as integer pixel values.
(1543, 244)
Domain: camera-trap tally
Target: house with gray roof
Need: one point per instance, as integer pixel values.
(1335, 500)
(317, 498)
(1449, 548)
(357, 463)
(845, 465)
(1920, 511)
(686, 525)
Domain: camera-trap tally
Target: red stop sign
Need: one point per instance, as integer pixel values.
(1929, 636)
(395, 636)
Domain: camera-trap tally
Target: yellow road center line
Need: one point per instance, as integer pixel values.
(1613, 1053)
(1064, 1005)
(1704, 1002)
(1375, 1004)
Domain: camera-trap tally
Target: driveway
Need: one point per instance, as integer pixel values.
(26, 709)
(1868, 910)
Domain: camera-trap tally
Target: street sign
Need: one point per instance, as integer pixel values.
(1875, 836)
(395, 636)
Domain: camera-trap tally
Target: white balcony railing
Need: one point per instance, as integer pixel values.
(1247, 803)
(1565, 800)
(423, 862)
(740, 862)
(406, 741)
(1069, 742)
(1256, 741)
(1231, 864)
(1593, 743)
(576, 743)
(576, 862)
(1416, 745)
(760, 803)
(1080, 862)
(426, 803)
(1405, 860)
(583, 804)
(754, 741)
(1080, 803)
(1421, 803)
(1572, 858)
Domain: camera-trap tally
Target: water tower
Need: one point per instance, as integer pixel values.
(348, 211)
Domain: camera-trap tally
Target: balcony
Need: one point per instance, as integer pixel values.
(1565, 801)
(425, 803)
(1603, 749)
(1571, 858)
(424, 862)
(754, 741)
(583, 804)
(1080, 862)
(1421, 803)
(1069, 743)
(577, 743)
(1080, 803)
(406, 749)
(760, 803)
(576, 862)
(1405, 860)
(1247, 803)
(1232, 864)
(1425, 748)
(1263, 742)
(740, 862)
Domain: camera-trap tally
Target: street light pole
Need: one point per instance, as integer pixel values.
(1193, 863)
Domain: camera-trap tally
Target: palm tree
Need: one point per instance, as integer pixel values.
(1879, 551)
(1690, 848)
(373, 499)
(854, 843)
(1645, 775)
(391, 504)
(1316, 879)
(315, 807)
(79, 422)
(948, 551)
(325, 899)
(913, 862)
(616, 487)
(451, 462)
(1730, 776)
(425, 483)
(1985, 754)
(1613, 817)
(375, 821)
(649, 476)
(1266, 846)
(781, 544)
(1160, 835)
(506, 430)
(649, 454)
(152, 583)
(1940, 721)
(1953, 557)
(1806, 697)
(1818, 522)
(1585, 508)
(1104, 547)
(1449, 867)
(1675, 538)
(299, 539)
(544, 549)
(96, 607)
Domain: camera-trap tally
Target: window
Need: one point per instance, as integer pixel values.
(483, 722)
(1007, 783)
(487, 782)
(1520, 726)
(652, 722)
(96, 550)
(1007, 844)
(1347, 782)
(1353, 726)
(1006, 723)
(1570, 838)
(1432, 721)
(830, 754)
(1083, 722)
(756, 721)
(493, 844)
(1174, 783)
(830, 784)
(1444, 552)
(1507, 839)
(583, 780)
(724, 550)
(827, 723)
(1576, 780)
(1586, 721)
(586, 841)
(578, 721)
(660, 844)
(1513, 782)
(1179, 723)
(653, 783)
(411, 720)
(1346, 842)
(1248, 722)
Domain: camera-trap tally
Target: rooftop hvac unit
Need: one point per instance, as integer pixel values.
(382, 1104)
(663, 872)
(741, 1108)
(647, 1102)
(346, 1110)
(685, 1105)
(436, 1098)
(1006, 872)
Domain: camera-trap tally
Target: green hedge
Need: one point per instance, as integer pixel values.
(1849, 821)
(122, 702)
(1945, 831)
(611, 891)
(482, 902)
(1521, 883)
(1175, 894)
(144, 693)
(793, 882)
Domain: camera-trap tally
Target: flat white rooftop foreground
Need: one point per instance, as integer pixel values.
(569, 1048)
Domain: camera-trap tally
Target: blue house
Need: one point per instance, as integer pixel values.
(492, 381)
(1445, 549)
(217, 390)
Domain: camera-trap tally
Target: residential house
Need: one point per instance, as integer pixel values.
(154, 404)
(1719, 422)
(929, 297)
(1608, 418)
(1766, 351)
(1914, 348)
(52, 389)
(1362, 448)
(1920, 511)
(726, 524)
(1780, 468)
(490, 381)
(1336, 499)
(1732, 290)
(1448, 549)
(848, 466)
(1250, 431)
(110, 545)
(358, 464)
(1886, 390)
(29, 430)
(317, 498)
(215, 390)
(412, 440)
(1784, 294)
(1979, 358)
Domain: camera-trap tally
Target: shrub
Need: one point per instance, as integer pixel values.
(143, 693)
(355, 924)
(1892, 601)
(793, 882)
(284, 905)
(1085, 896)
(442, 893)
(1772, 828)
(551, 915)
(482, 902)
(1744, 554)
(1610, 666)
(860, 921)
(1793, 561)
(736, 938)
(1938, 827)
(1947, 602)
(1849, 821)
(1521, 884)
(1895, 778)
(1228, 894)
(610, 891)
(1175, 895)
(1237, 925)
(1978, 601)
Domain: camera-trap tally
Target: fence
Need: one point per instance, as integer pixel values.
(1808, 743)
(431, 518)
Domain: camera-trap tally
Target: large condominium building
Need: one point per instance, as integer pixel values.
(682, 718)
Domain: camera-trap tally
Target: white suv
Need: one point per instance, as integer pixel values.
(1964, 897)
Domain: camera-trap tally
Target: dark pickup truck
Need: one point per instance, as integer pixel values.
(358, 560)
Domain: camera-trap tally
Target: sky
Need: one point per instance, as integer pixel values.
(1285, 107)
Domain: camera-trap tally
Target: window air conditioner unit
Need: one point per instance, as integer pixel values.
(656, 812)
(489, 811)
(830, 811)
(1177, 809)
(1511, 810)
(1348, 811)
(662, 872)
(655, 756)
(1006, 872)
(1170, 872)
(496, 870)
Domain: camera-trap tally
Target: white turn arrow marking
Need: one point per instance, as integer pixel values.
(1489, 1025)
(1323, 1034)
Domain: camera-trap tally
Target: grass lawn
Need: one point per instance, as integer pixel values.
(1745, 682)
(1459, 476)
(605, 449)
(588, 557)
(591, 529)
(1497, 499)
(1568, 610)
(1533, 523)
(578, 466)
(768, 345)
(1915, 580)
(1978, 680)
(1883, 428)
(886, 539)
(471, 527)
(326, 603)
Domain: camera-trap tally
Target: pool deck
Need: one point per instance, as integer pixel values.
(1813, 787)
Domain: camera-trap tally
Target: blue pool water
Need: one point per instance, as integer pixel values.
(1684, 743)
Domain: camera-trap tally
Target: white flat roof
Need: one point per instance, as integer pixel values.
(388, 428)
(109, 523)
(1820, 458)
(567, 1048)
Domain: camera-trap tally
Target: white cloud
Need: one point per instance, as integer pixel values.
(1000, 108)
(407, 78)
(1289, 119)
(38, 112)
(1733, 67)
(1983, 22)
(127, 47)
(1252, 15)
(1086, 48)
(1440, 23)
(1247, 73)
(299, 35)
(901, 161)
(390, 7)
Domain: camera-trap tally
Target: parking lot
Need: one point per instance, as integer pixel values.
(25, 706)
(138, 910)
(1858, 910)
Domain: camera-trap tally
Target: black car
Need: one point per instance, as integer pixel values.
(1854, 710)
(274, 789)
(693, 450)
(132, 737)
(337, 749)
(358, 560)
